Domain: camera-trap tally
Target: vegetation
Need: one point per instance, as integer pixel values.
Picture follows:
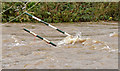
(63, 11)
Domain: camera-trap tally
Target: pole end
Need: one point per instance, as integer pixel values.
(53, 44)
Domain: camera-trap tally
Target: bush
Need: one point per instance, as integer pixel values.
(63, 11)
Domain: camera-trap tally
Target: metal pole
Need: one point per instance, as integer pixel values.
(49, 42)
(47, 24)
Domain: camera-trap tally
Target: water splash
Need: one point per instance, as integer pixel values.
(79, 41)
(71, 39)
(114, 34)
(16, 41)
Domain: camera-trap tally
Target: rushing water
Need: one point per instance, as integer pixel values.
(93, 46)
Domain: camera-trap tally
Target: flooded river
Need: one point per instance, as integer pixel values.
(91, 46)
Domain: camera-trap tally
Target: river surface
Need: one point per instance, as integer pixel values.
(91, 46)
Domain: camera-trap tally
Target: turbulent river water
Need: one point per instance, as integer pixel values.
(91, 46)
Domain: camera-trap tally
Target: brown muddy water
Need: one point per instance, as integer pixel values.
(93, 46)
